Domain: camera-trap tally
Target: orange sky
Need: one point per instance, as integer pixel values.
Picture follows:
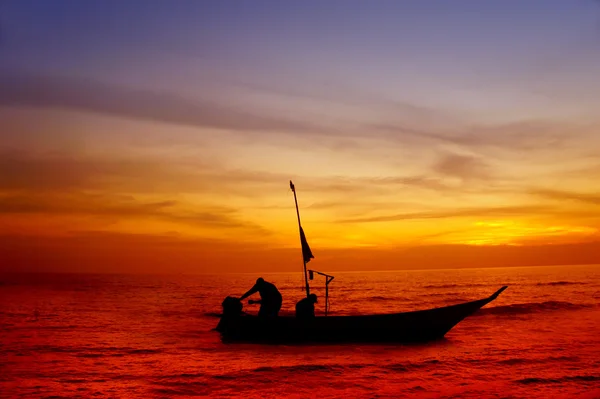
(119, 160)
(81, 199)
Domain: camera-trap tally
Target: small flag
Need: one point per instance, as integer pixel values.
(292, 186)
(306, 252)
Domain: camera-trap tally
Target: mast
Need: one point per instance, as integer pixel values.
(301, 241)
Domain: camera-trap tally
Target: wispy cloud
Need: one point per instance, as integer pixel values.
(380, 184)
(454, 213)
(65, 171)
(400, 124)
(463, 166)
(26, 171)
(104, 98)
(530, 135)
(562, 195)
(126, 207)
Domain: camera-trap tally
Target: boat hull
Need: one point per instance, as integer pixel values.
(416, 326)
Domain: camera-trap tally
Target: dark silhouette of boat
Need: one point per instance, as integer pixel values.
(406, 327)
(415, 326)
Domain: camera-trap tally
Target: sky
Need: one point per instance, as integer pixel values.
(161, 136)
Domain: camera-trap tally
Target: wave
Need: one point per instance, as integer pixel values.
(113, 352)
(340, 367)
(455, 297)
(90, 355)
(191, 375)
(560, 380)
(468, 285)
(144, 351)
(301, 368)
(554, 283)
(527, 308)
(551, 359)
(381, 298)
(410, 366)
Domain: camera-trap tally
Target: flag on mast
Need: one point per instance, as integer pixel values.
(306, 252)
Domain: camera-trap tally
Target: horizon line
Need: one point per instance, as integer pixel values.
(290, 272)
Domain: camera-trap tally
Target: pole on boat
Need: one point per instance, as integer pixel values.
(328, 279)
(301, 243)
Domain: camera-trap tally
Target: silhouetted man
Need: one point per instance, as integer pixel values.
(270, 298)
(305, 308)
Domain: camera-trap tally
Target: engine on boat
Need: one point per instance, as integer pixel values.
(232, 306)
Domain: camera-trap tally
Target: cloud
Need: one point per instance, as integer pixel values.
(423, 239)
(463, 166)
(377, 185)
(453, 213)
(25, 171)
(337, 132)
(125, 207)
(395, 131)
(67, 172)
(419, 124)
(560, 195)
(398, 124)
(523, 135)
(520, 135)
(104, 98)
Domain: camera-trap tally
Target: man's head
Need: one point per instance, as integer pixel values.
(312, 298)
(260, 281)
(232, 306)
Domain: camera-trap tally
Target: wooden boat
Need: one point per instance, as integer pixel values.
(415, 326)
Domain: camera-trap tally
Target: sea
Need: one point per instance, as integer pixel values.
(151, 336)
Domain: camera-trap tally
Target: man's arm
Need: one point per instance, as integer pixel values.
(250, 292)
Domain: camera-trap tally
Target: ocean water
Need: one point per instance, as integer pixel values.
(150, 336)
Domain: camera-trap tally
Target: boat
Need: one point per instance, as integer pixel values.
(406, 327)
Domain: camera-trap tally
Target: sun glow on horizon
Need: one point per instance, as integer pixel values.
(510, 232)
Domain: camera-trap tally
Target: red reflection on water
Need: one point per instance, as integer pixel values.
(150, 336)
